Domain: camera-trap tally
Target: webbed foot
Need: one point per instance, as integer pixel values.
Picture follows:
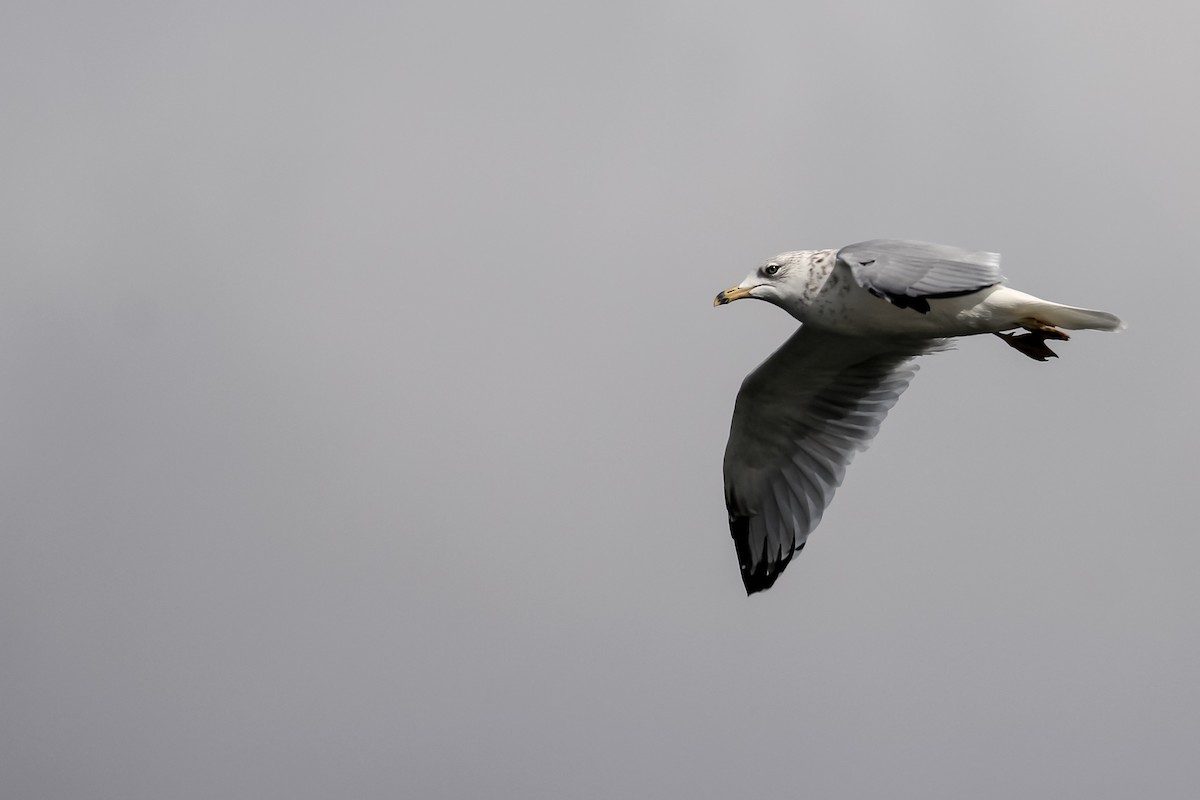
(1033, 343)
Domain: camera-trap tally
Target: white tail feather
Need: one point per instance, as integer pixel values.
(1076, 319)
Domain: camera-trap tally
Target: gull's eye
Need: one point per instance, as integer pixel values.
(772, 269)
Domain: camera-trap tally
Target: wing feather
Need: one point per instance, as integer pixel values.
(908, 274)
(798, 421)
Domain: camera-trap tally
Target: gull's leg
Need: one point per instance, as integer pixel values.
(1033, 344)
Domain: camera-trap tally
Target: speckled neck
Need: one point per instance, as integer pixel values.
(820, 264)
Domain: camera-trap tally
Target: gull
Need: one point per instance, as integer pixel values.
(866, 311)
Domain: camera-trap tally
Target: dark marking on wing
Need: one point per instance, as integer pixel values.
(758, 571)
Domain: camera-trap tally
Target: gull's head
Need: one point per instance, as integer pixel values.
(778, 280)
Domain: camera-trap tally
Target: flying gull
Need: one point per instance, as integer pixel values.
(866, 311)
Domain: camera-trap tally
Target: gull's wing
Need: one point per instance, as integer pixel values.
(798, 421)
(907, 274)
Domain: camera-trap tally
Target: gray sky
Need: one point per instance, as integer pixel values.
(363, 404)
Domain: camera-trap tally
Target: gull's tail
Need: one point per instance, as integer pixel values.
(1077, 319)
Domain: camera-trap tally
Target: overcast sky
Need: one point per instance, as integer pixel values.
(362, 404)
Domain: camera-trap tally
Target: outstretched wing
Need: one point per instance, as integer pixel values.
(909, 274)
(798, 421)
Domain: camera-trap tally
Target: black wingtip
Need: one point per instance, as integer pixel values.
(764, 574)
(758, 582)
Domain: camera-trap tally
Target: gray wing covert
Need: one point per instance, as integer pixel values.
(798, 420)
(908, 274)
